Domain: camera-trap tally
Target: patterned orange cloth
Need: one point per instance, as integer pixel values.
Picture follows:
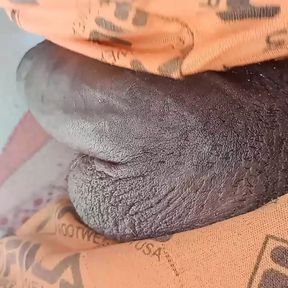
(166, 37)
(55, 250)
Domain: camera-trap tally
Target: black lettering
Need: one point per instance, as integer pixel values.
(242, 10)
(77, 231)
(139, 247)
(87, 234)
(71, 233)
(63, 229)
(157, 253)
(147, 248)
(277, 39)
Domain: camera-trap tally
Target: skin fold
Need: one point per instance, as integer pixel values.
(159, 156)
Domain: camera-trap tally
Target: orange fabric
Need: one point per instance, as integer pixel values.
(166, 37)
(54, 249)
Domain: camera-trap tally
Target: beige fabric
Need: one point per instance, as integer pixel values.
(163, 37)
(54, 249)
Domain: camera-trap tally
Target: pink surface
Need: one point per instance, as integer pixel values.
(33, 170)
(26, 140)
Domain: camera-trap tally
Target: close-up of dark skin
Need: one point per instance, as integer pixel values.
(156, 155)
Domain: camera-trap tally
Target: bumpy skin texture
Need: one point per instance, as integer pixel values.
(162, 156)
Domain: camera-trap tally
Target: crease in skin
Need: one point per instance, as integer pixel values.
(159, 156)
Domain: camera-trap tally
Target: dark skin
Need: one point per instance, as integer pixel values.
(160, 156)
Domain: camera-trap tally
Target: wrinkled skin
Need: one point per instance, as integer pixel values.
(163, 156)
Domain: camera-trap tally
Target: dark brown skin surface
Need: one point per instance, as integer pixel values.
(164, 156)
